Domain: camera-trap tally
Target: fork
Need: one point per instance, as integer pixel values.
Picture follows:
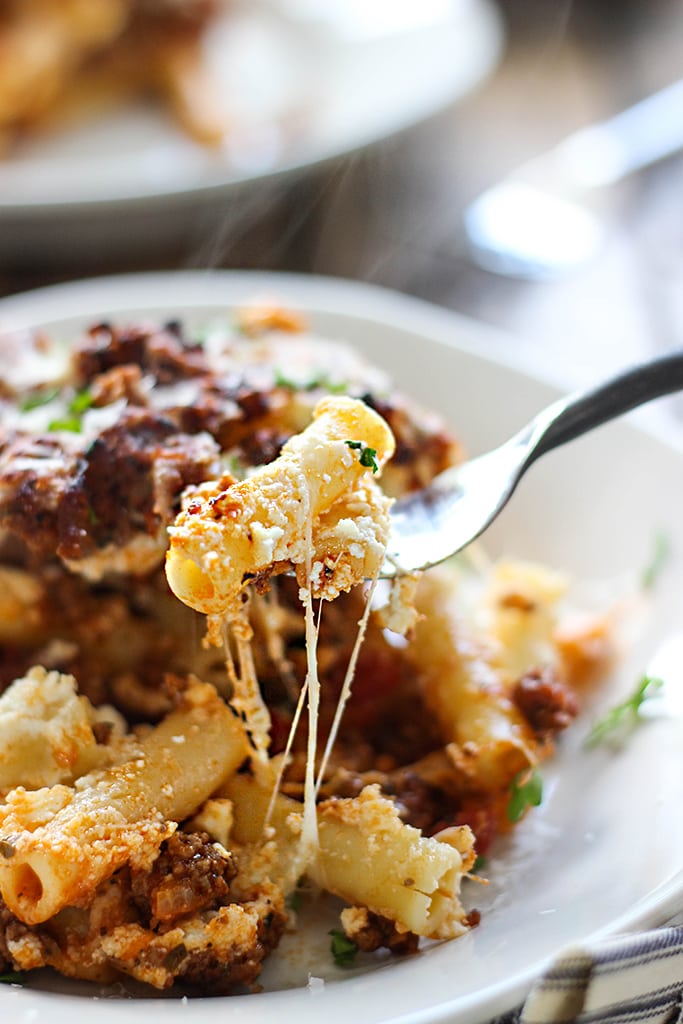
(533, 224)
(430, 525)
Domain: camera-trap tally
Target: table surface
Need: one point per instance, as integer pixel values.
(556, 76)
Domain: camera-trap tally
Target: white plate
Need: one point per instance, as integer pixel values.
(602, 854)
(304, 81)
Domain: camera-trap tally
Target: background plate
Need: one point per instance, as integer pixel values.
(602, 854)
(305, 81)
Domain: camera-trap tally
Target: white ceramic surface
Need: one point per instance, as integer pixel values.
(602, 853)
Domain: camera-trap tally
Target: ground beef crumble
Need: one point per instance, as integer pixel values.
(371, 931)
(161, 351)
(189, 931)
(547, 704)
(140, 464)
(190, 874)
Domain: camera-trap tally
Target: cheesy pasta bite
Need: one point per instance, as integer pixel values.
(179, 763)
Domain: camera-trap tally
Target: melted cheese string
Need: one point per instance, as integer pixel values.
(347, 684)
(309, 831)
(284, 760)
(246, 699)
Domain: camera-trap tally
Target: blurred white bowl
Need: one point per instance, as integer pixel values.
(306, 83)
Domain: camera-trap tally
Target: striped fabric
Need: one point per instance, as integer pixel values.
(624, 980)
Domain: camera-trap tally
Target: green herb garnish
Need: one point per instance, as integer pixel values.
(320, 380)
(37, 399)
(339, 387)
(282, 381)
(293, 901)
(624, 717)
(660, 553)
(526, 791)
(343, 949)
(71, 423)
(368, 456)
(12, 978)
(77, 407)
(81, 402)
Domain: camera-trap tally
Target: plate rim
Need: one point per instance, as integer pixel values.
(382, 304)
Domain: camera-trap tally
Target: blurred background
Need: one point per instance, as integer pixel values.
(383, 122)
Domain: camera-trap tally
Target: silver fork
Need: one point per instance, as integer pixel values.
(428, 526)
(534, 223)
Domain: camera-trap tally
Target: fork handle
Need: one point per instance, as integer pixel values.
(604, 153)
(576, 415)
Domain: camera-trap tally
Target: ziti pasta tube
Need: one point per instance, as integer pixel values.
(57, 845)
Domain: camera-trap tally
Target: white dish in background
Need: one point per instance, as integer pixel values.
(602, 853)
(304, 80)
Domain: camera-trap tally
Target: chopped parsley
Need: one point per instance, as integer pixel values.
(38, 398)
(293, 901)
(320, 380)
(526, 791)
(77, 407)
(660, 553)
(235, 466)
(343, 949)
(12, 978)
(283, 381)
(71, 423)
(367, 455)
(623, 717)
(81, 402)
(338, 387)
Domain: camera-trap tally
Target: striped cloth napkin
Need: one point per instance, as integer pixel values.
(633, 979)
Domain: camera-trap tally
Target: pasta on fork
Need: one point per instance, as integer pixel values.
(231, 533)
